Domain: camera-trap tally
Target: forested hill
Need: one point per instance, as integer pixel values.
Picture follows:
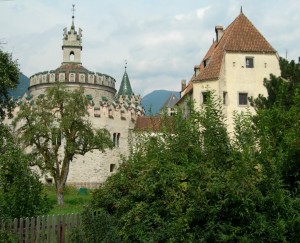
(154, 101)
(22, 87)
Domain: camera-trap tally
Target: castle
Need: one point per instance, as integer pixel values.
(234, 67)
(117, 112)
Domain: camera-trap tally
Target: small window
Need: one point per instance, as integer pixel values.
(233, 64)
(112, 167)
(205, 97)
(243, 98)
(116, 139)
(249, 62)
(224, 98)
(56, 138)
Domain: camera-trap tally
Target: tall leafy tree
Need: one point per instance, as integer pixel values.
(9, 79)
(56, 129)
(277, 120)
(21, 192)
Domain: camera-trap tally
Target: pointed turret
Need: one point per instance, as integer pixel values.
(125, 88)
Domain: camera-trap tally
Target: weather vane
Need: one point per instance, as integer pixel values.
(125, 64)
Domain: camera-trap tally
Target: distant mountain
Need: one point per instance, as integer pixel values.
(22, 87)
(154, 101)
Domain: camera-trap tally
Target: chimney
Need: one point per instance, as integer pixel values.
(183, 84)
(219, 32)
(197, 69)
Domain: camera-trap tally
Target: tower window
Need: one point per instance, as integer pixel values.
(112, 167)
(116, 139)
(72, 56)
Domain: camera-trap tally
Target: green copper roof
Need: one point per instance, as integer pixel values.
(125, 88)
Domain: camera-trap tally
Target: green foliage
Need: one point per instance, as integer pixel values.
(277, 122)
(192, 183)
(56, 129)
(88, 232)
(21, 192)
(7, 237)
(9, 78)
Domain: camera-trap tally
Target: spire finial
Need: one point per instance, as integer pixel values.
(125, 64)
(241, 9)
(73, 11)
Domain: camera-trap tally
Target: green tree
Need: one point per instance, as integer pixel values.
(56, 129)
(192, 183)
(277, 121)
(21, 192)
(9, 78)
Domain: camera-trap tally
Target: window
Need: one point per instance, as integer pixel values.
(205, 97)
(72, 56)
(243, 98)
(116, 139)
(56, 137)
(112, 167)
(224, 98)
(249, 62)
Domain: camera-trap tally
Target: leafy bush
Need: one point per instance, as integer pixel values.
(191, 182)
(21, 192)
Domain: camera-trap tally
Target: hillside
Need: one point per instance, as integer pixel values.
(22, 87)
(154, 101)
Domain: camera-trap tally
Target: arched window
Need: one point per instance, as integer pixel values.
(72, 56)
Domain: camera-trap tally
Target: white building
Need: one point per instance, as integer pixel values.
(234, 67)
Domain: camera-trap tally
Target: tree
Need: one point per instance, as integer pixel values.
(192, 183)
(56, 129)
(277, 121)
(9, 78)
(21, 192)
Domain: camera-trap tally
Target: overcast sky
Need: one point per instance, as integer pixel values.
(162, 40)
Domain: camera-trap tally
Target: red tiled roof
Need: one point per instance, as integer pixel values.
(71, 67)
(240, 36)
(151, 123)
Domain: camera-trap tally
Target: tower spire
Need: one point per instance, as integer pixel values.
(73, 11)
(241, 9)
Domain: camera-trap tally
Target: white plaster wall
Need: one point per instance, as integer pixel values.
(235, 78)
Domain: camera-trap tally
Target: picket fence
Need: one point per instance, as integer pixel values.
(54, 229)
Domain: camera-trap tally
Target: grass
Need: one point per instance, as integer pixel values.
(73, 201)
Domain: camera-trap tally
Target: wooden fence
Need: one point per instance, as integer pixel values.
(54, 229)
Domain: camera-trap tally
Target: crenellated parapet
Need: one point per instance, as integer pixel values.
(69, 75)
(123, 107)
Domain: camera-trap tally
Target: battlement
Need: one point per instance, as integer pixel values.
(122, 107)
(80, 76)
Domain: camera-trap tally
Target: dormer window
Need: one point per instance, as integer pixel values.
(249, 62)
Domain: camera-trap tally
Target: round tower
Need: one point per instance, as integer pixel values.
(71, 73)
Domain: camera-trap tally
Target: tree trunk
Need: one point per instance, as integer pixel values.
(60, 193)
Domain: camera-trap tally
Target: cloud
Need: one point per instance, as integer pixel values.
(162, 40)
(201, 12)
